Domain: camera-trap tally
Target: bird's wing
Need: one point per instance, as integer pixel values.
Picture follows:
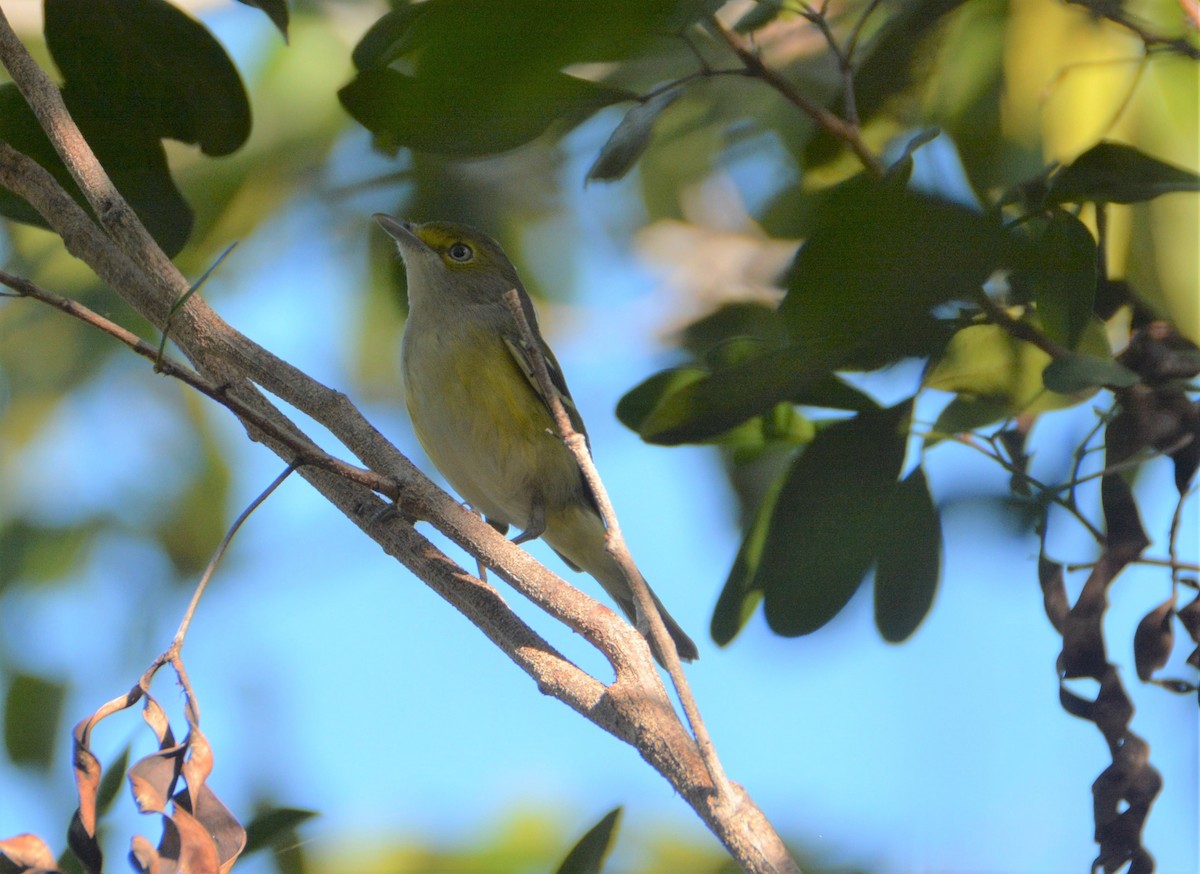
(524, 358)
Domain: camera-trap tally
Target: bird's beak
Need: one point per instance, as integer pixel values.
(401, 232)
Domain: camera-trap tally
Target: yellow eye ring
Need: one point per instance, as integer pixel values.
(460, 252)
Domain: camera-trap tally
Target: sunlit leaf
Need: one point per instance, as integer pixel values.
(1117, 173)
(741, 593)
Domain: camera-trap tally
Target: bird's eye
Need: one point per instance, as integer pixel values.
(460, 252)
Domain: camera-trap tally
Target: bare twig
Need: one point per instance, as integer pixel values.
(1152, 41)
(616, 546)
(638, 712)
(837, 127)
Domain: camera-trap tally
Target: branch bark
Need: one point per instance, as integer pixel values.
(634, 708)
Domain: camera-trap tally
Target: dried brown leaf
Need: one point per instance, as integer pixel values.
(158, 722)
(85, 846)
(1083, 653)
(1126, 538)
(1189, 615)
(152, 779)
(143, 855)
(29, 852)
(197, 850)
(1154, 639)
(226, 832)
(198, 764)
(1054, 591)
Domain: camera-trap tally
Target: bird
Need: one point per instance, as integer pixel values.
(479, 413)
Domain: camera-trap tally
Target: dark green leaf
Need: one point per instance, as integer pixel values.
(965, 414)
(878, 261)
(630, 138)
(741, 594)
(909, 558)
(32, 720)
(146, 59)
(824, 530)
(1078, 372)
(1064, 277)
(132, 155)
(706, 337)
(706, 408)
(37, 553)
(269, 825)
(484, 117)
(485, 76)
(388, 38)
(639, 402)
(587, 856)
(891, 65)
(111, 782)
(1117, 173)
(276, 10)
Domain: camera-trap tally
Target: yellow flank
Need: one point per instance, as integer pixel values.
(501, 471)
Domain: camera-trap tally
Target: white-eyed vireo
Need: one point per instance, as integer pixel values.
(477, 409)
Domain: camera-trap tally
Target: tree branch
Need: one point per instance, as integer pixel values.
(831, 123)
(635, 708)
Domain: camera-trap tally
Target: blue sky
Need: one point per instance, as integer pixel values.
(330, 678)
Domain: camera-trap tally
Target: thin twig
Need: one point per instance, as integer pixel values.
(837, 127)
(1152, 41)
(181, 634)
(305, 452)
(615, 544)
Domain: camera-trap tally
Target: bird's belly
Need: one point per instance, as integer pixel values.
(488, 433)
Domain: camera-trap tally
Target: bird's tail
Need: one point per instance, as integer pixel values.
(579, 540)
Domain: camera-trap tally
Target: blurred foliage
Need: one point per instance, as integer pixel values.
(1036, 212)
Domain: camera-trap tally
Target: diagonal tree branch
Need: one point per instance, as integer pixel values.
(635, 708)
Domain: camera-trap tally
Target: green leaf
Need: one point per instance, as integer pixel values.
(587, 856)
(111, 782)
(272, 824)
(130, 152)
(1117, 173)
(485, 76)
(741, 594)
(708, 407)
(909, 558)
(862, 288)
(1079, 372)
(483, 118)
(640, 402)
(630, 138)
(823, 532)
(148, 60)
(276, 10)
(32, 720)
(760, 14)
(965, 414)
(1064, 278)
